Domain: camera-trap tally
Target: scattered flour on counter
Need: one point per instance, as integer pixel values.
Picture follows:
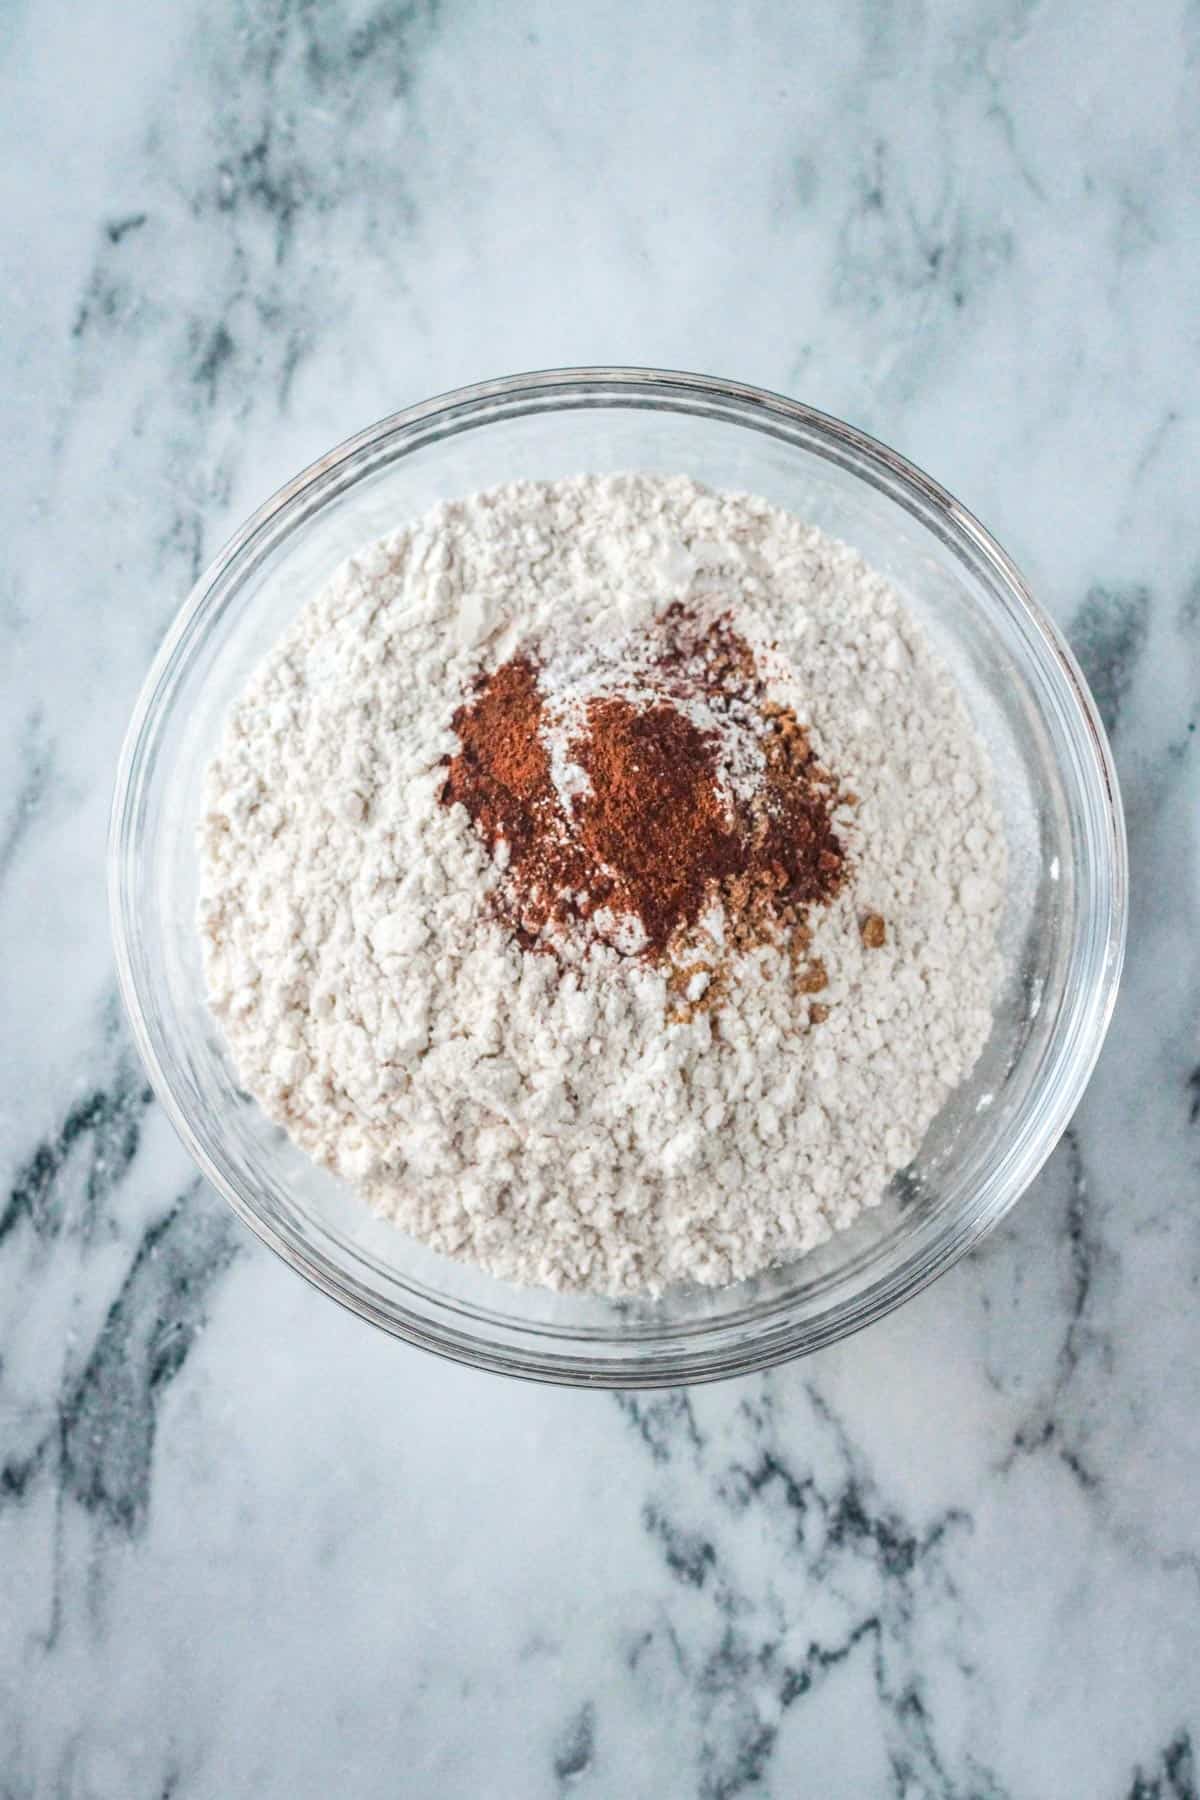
(537, 1115)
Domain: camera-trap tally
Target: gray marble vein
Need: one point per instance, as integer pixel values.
(248, 1547)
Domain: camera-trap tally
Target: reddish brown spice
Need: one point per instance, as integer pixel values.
(502, 772)
(654, 816)
(655, 837)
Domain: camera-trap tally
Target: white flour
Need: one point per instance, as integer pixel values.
(549, 1124)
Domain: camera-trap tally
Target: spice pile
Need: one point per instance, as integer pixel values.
(602, 876)
(670, 788)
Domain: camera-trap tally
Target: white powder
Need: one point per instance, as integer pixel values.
(546, 1121)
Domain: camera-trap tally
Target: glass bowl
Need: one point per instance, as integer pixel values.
(1063, 931)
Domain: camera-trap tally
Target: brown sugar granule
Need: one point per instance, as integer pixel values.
(818, 1013)
(814, 979)
(655, 836)
(684, 1005)
(874, 931)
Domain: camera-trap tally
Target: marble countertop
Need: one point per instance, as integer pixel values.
(249, 1547)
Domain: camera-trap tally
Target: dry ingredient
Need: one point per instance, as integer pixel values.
(643, 825)
(531, 847)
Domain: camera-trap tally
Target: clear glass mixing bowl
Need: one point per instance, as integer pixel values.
(1064, 930)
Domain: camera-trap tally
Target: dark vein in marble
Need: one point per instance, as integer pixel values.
(883, 1534)
(183, 541)
(665, 1423)
(999, 113)
(820, 1658)
(890, 247)
(852, 1522)
(1043, 1430)
(745, 1769)
(38, 769)
(690, 1557)
(104, 1129)
(1108, 636)
(116, 229)
(1175, 1776)
(745, 1484)
(102, 1440)
(263, 81)
(212, 351)
(108, 1422)
(292, 48)
(385, 37)
(576, 1747)
(1154, 443)
(840, 1530)
(111, 301)
(272, 183)
(729, 1769)
(1084, 1249)
(291, 100)
(918, 1767)
(296, 342)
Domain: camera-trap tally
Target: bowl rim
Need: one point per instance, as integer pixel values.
(615, 385)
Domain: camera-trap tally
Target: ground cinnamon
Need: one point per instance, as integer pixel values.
(654, 834)
(654, 816)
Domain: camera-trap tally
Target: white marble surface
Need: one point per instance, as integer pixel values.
(247, 1546)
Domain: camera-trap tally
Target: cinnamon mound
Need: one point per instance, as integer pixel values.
(653, 830)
